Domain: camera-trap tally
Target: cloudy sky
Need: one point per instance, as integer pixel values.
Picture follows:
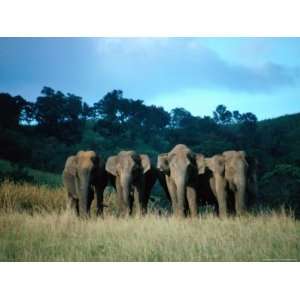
(260, 75)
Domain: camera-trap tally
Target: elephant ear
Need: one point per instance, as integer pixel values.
(145, 162)
(71, 165)
(243, 154)
(163, 163)
(216, 164)
(200, 161)
(111, 165)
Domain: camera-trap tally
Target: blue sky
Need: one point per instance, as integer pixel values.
(260, 75)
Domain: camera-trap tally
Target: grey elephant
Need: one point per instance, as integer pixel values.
(84, 174)
(179, 169)
(229, 178)
(133, 177)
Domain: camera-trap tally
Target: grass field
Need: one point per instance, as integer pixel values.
(34, 226)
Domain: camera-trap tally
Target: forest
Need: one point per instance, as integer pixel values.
(41, 134)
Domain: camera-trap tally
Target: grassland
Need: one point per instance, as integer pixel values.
(34, 226)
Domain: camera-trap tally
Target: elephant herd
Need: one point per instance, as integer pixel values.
(189, 180)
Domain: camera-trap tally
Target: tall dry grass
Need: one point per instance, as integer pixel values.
(30, 198)
(25, 197)
(49, 233)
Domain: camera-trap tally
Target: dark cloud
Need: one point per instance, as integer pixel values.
(172, 64)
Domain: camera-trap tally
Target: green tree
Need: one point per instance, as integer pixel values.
(178, 116)
(107, 108)
(11, 110)
(59, 115)
(222, 116)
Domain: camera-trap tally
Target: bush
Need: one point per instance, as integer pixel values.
(281, 187)
(15, 173)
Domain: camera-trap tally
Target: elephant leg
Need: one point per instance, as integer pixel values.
(71, 192)
(100, 205)
(72, 204)
(139, 200)
(99, 197)
(172, 191)
(221, 195)
(83, 208)
(100, 182)
(77, 207)
(186, 209)
(69, 203)
(145, 194)
(192, 200)
(76, 201)
(148, 183)
(131, 202)
(89, 200)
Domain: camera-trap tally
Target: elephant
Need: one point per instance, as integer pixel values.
(83, 174)
(133, 177)
(206, 185)
(229, 178)
(212, 183)
(179, 171)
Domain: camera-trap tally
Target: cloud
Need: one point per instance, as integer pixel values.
(159, 65)
(203, 102)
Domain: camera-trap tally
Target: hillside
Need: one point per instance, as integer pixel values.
(281, 137)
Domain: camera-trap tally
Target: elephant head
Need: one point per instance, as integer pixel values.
(80, 173)
(128, 168)
(179, 168)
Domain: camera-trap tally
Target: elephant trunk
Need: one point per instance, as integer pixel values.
(125, 183)
(181, 194)
(221, 193)
(84, 193)
(240, 196)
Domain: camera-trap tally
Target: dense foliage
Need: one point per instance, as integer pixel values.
(42, 134)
